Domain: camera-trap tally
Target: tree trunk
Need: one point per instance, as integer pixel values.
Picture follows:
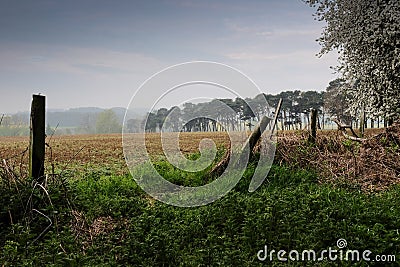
(390, 121)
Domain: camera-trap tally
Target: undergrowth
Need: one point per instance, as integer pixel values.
(107, 220)
(372, 164)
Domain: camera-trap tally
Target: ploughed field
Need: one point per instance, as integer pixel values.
(88, 152)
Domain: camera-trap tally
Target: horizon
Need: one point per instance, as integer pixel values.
(125, 108)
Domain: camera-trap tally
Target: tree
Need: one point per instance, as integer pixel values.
(161, 115)
(335, 102)
(87, 124)
(367, 36)
(174, 118)
(188, 112)
(107, 122)
(150, 122)
(244, 110)
(133, 125)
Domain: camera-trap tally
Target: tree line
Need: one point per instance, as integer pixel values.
(233, 114)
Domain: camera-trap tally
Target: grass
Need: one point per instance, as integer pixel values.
(110, 221)
(101, 217)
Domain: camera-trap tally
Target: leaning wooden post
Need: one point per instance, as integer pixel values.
(313, 135)
(277, 111)
(37, 137)
(256, 134)
(252, 141)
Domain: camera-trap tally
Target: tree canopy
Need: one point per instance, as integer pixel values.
(367, 36)
(230, 114)
(107, 122)
(335, 100)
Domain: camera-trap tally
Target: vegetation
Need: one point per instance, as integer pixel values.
(366, 34)
(88, 210)
(100, 217)
(71, 121)
(107, 122)
(106, 220)
(240, 115)
(335, 100)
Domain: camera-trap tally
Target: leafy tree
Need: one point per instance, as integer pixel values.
(258, 104)
(150, 122)
(310, 99)
(133, 125)
(88, 124)
(232, 115)
(227, 117)
(162, 114)
(244, 110)
(174, 118)
(335, 102)
(107, 122)
(187, 114)
(367, 36)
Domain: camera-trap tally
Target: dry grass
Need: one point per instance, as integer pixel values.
(373, 165)
(87, 232)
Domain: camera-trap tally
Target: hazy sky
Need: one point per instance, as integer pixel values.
(97, 53)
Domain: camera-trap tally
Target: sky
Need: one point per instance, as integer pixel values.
(98, 53)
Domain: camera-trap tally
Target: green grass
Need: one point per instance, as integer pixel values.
(289, 211)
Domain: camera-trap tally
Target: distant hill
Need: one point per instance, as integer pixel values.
(84, 110)
(75, 116)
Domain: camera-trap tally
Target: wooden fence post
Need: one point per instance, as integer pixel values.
(37, 137)
(362, 121)
(275, 121)
(313, 135)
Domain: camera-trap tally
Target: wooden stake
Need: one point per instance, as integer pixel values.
(277, 111)
(362, 121)
(313, 135)
(37, 137)
(252, 140)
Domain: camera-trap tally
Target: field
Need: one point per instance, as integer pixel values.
(106, 150)
(343, 161)
(100, 217)
(82, 153)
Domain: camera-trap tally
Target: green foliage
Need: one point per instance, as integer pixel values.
(366, 34)
(289, 211)
(25, 214)
(352, 146)
(108, 195)
(336, 101)
(232, 114)
(14, 130)
(179, 177)
(107, 122)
